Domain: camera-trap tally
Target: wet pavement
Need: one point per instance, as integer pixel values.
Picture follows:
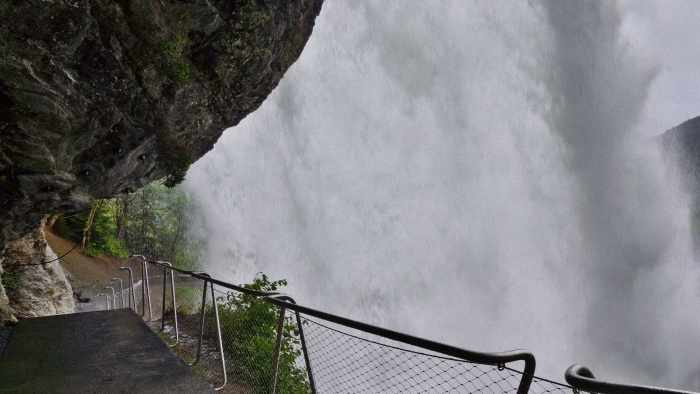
(94, 352)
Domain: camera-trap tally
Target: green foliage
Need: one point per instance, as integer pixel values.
(224, 37)
(250, 326)
(172, 62)
(188, 299)
(175, 158)
(101, 232)
(180, 71)
(172, 46)
(153, 221)
(10, 279)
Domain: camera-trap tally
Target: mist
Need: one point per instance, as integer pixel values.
(470, 172)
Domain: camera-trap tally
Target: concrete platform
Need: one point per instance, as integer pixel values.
(93, 352)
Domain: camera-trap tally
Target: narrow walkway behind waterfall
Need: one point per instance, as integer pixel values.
(95, 352)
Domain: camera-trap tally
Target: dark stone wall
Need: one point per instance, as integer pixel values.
(100, 97)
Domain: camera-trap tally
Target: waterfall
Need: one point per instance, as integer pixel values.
(468, 172)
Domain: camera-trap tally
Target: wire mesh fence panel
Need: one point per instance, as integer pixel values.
(249, 327)
(153, 283)
(544, 386)
(345, 360)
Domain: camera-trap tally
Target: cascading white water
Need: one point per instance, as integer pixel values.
(467, 172)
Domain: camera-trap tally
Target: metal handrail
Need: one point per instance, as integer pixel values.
(145, 291)
(583, 379)
(498, 359)
(106, 300)
(114, 297)
(121, 291)
(172, 293)
(131, 286)
(282, 300)
(207, 280)
(302, 339)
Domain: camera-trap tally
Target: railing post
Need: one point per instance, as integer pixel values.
(172, 292)
(162, 311)
(201, 323)
(309, 373)
(218, 332)
(278, 348)
(143, 289)
(126, 296)
(218, 327)
(106, 300)
(131, 286)
(528, 374)
(146, 291)
(114, 297)
(121, 292)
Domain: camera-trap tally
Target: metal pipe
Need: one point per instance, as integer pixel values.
(581, 378)
(282, 300)
(121, 292)
(218, 327)
(278, 348)
(146, 292)
(467, 355)
(162, 310)
(221, 344)
(131, 286)
(106, 300)
(309, 372)
(307, 360)
(201, 324)
(172, 292)
(143, 289)
(114, 297)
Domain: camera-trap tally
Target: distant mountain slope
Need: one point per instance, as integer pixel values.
(684, 142)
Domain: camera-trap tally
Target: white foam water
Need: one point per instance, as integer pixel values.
(468, 172)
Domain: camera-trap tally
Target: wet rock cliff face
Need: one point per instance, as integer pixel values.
(38, 285)
(100, 97)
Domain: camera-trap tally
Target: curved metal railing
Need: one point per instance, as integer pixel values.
(498, 359)
(582, 379)
(579, 377)
(285, 302)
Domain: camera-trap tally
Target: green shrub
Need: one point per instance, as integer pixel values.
(10, 279)
(188, 299)
(250, 326)
(180, 71)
